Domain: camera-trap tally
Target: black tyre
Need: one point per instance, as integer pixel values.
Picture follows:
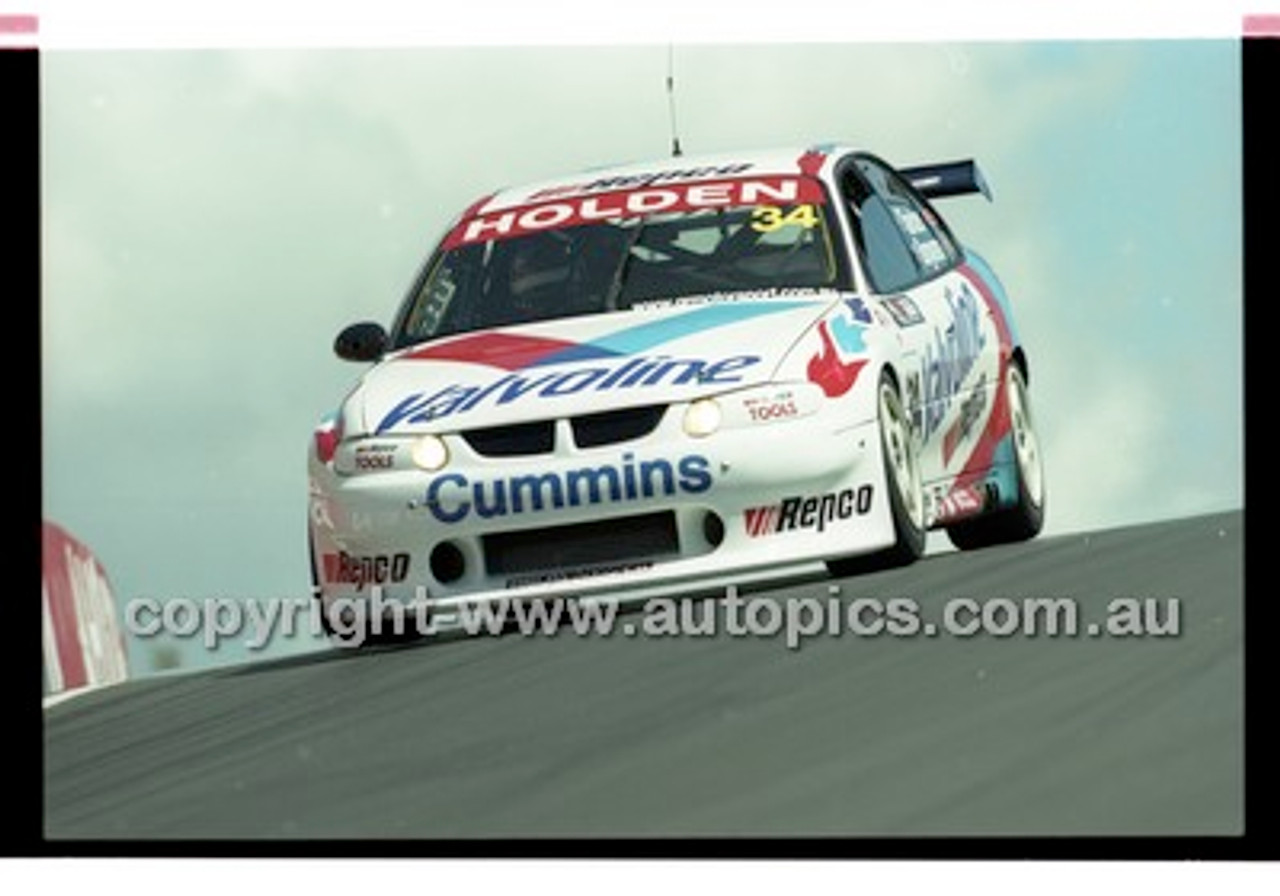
(325, 624)
(1025, 518)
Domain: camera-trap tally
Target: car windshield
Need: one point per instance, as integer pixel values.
(490, 275)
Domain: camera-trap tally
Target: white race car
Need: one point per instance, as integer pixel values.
(675, 377)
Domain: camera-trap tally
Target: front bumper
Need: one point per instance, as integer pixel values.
(660, 515)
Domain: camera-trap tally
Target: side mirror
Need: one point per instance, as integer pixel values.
(361, 342)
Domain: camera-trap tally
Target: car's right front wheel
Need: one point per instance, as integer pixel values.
(902, 481)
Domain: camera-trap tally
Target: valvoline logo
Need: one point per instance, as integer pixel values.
(624, 359)
(424, 407)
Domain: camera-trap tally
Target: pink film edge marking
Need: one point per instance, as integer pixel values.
(18, 31)
(18, 24)
(1262, 25)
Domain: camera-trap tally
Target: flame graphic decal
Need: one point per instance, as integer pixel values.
(836, 377)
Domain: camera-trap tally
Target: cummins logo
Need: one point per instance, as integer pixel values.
(453, 497)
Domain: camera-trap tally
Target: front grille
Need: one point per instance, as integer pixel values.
(609, 427)
(643, 537)
(538, 437)
(589, 431)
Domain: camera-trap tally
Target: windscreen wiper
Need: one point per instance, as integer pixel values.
(620, 274)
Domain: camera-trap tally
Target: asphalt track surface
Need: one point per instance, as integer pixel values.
(533, 737)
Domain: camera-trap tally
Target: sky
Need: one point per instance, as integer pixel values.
(212, 216)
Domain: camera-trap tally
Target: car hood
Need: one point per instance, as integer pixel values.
(582, 365)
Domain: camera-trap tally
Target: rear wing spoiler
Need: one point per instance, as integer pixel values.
(947, 179)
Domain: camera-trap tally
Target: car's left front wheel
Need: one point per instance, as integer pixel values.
(1025, 517)
(326, 624)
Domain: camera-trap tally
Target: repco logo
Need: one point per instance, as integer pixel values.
(814, 512)
(377, 569)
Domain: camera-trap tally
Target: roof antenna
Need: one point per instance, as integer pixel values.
(671, 100)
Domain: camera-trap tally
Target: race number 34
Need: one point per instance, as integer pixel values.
(768, 218)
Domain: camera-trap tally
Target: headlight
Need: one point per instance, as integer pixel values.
(430, 453)
(702, 418)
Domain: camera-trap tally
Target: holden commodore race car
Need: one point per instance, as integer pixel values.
(676, 376)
